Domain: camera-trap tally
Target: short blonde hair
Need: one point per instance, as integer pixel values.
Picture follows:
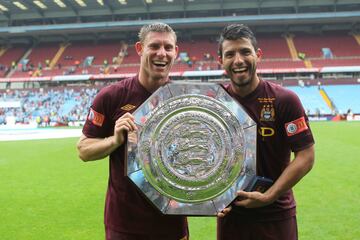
(155, 27)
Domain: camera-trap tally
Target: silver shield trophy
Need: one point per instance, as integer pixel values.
(195, 148)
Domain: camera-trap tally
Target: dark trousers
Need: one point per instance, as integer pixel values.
(114, 235)
(230, 229)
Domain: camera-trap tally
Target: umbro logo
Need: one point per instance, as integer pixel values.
(128, 107)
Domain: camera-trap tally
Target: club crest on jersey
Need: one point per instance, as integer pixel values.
(96, 118)
(267, 113)
(128, 107)
(296, 126)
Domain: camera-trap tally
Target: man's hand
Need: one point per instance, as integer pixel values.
(252, 199)
(224, 212)
(132, 137)
(98, 148)
(123, 125)
(247, 200)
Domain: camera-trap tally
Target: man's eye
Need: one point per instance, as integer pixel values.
(154, 46)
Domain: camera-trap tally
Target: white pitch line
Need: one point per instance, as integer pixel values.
(30, 134)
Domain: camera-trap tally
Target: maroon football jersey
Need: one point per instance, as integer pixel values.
(282, 127)
(126, 209)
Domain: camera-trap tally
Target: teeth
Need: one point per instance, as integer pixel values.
(237, 70)
(160, 63)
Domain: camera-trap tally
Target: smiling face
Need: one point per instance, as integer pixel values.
(239, 59)
(157, 54)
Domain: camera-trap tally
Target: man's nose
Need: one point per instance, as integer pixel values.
(161, 51)
(238, 58)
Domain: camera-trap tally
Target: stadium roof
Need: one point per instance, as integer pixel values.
(40, 18)
(27, 12)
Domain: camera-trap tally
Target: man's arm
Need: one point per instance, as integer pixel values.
(297, 169)
(293, 173)
(90, 149)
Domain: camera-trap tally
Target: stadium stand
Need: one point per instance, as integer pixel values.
(345, 97)
(107, 57)
(273, 47)
(51, 107)
(101, 51)
(303, 45)
(312, 44)
(64, 105)
(11, 54)
(311, 99)
(103, 57)
(319, 63)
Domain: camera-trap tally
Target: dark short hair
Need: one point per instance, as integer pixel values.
(234, 32)
(155, 27)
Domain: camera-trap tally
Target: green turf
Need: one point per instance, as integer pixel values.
(328, 198)
(46, 192)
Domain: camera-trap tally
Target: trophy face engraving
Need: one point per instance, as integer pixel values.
(193, 150)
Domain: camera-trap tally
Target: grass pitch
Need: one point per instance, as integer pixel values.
(46, 192)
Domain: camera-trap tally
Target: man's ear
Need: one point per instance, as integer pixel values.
(259, 53)
(220, 60)
(138, 48)
(176, 50)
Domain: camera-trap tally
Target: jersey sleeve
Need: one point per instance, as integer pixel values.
(294, 123)
(98, 122)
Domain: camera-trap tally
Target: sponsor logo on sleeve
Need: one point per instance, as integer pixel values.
(296, 126)
(96, 118)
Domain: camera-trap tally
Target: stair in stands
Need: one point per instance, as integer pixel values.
(57, 56)
(327, 99)
(292, 48)
(2, 51)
